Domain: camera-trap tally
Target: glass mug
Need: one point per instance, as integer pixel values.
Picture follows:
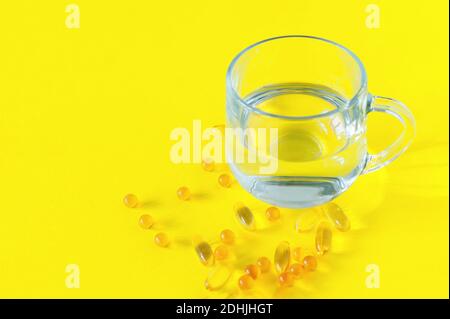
(314, 92)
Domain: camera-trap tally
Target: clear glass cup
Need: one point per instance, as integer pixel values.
(314, 93)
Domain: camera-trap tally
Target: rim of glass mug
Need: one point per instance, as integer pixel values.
(350, 102)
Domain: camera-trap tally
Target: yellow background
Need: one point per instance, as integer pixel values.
(85, 117)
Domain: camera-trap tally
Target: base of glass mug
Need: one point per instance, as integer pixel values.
(294, 191)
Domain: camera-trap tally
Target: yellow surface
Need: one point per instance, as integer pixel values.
(85, 118)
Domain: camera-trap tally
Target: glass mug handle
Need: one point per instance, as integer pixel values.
(404, 115)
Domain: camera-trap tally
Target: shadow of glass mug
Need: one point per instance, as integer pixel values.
(297, 107)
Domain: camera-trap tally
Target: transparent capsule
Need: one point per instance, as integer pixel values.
(225, 180)
(323, 238)
(227, 236)
(272, 213)
(204, 253)
(218, 277)
(337, 217)
(307, 220)
(245, 282)
(253, 271)
(131, 201)
(282, 257)
(146, 221)
(221, 252)
(161, 239)
(245, 217)
(183, 193)
(208, 164)
(263, 264)
(309, 263)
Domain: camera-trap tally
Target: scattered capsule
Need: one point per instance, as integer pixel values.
(146, 221)
(245, 282)
(297, 254)
(323, 238)
(131, 201)
(245, 217)
(225, 180)
(282, 257)
(307, 221)
(184, 193)
(218, 277)
(310, 263)
(221, 252)
(263, 264)
(161, 240)
(204, 253)
(227, 237)
(272, 213)
(296, 269)
(253, 271)
(286, 279)
(208, 164)
(337, 216)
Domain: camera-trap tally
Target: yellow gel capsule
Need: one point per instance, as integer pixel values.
(296, 269)
(245, 217)
(272, 213)
(227, 237)
(218, 277)
(337, 216)
(307, 221)
(221, 252)
(146, 221)
(161, 240)
(323, 238)
(208, 164)
(131, 201)
(183, 193)
(245, 282)
(309, 263)
(286, 279)
(263, 264)
(282, 257)
(297, 254)
(225, 180)
(204, 253)
(253, 271)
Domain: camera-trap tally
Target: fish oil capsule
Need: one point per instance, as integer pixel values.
(337, 216)
(131, 201)
(161, 240)
(221, 252)
(286, 279)
(263, 264)
(245, 217)
(323, 238)
(307, 220)
(184, 193)
(225, 180)
(272, 213)
(253, 271)
(282, 257)
(208, 164)
(218, 277)
(245, 282)
(227, 237)
(297, 254)
(296, 269)
(204, 253)
(309, 263)
(146, 221)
